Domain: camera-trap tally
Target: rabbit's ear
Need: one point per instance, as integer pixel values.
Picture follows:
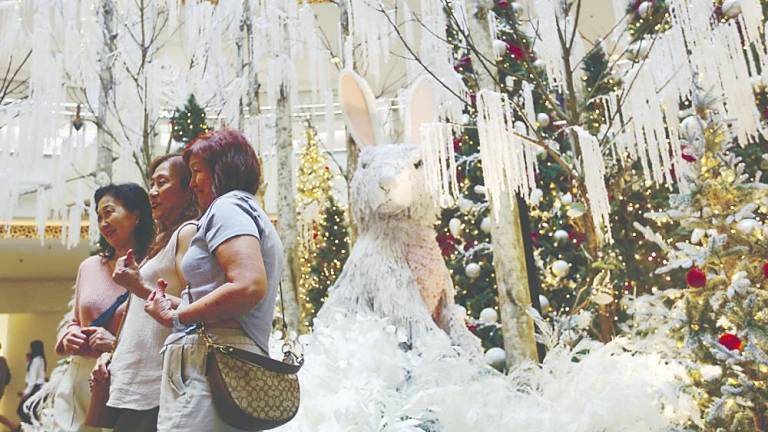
(358, 106)
(420, 108)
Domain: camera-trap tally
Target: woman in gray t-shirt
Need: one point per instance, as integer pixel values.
(233, 268)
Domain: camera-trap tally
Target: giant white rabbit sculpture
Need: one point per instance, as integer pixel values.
(395, 268)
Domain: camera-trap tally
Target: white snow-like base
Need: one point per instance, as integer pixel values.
(357, 378)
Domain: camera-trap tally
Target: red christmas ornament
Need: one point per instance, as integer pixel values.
(447, 244)
(472, 327)
(469, 244)
(696, 278)
(535, 239)
(730, 341)
(577, 237)
(457, 144)
(765, 270)
(503, 4)
(516, 51)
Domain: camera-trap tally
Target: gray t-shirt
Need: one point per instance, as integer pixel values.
(234, 214)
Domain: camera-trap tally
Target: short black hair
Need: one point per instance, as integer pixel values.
(135, 199)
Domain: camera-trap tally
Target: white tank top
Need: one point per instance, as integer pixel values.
(136, 368)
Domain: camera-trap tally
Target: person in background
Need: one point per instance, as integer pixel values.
(35, 377)
(233, 268)
(5, 379)
(135, 368)
(125, 223)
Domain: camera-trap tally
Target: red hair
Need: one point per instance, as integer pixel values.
(230, 158)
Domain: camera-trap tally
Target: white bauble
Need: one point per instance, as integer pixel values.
(536, 196)
(509, 81)
(731, 8)
(496, 358)
(485, 225)
(472, 270)
(692, 128)
(499, 47)
(747, 226)
(489, 315)
(465, 118)
(645, 9)
(480, 190)
(560, 268)
(461, 312)
(543, 119)
(521, 127)
(560, 236)
(465, 205)
(543, 302)
(454, 227)
(447, 201)
(567, 198)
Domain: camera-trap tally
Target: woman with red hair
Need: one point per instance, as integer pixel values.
(233, 268)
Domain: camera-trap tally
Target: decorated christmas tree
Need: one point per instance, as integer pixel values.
(188, 122)
(718, 254)
(323, 244)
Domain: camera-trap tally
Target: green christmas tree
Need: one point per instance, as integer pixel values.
(718, 253)
(331, 254)
(188, 122)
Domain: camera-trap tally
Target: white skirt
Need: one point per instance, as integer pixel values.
(73, 396)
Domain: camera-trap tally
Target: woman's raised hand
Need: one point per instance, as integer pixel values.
(127, 273)
(158, 306)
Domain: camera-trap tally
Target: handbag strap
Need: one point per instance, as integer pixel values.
(290, 356)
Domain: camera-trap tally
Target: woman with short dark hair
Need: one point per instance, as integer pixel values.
(125, 223)
(232, 267)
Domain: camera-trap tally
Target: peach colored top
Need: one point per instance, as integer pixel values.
(95, 292)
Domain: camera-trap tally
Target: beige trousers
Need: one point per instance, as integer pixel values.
(73, 396)
(185, 397)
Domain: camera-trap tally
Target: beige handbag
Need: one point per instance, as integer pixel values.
(251, 391)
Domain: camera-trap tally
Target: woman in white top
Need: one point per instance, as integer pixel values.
(35, 376)
(135, 367)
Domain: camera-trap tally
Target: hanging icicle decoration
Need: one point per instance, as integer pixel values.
(549, 15)
(437, 56)
(594, 179)
(508, 157)
(440, 161)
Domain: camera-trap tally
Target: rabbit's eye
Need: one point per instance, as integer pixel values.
(364, 165)
(418, 164)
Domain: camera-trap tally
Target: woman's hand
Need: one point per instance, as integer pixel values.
(100, 339)
(100, 372)
(158, 306)
(127, 274)
(75, 341)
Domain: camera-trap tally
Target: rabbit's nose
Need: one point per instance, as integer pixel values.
(387, 182)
